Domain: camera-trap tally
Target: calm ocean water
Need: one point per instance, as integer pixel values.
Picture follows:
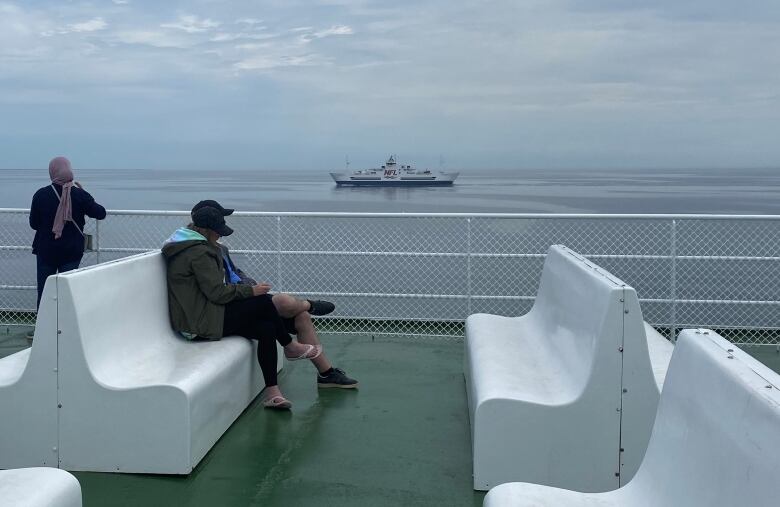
(737, 191)
(603, 191)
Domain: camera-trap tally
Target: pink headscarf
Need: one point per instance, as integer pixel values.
(61, 173)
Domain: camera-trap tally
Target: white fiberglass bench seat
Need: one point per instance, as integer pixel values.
(554, 395)
(39, 487)
(660, 351)
(715, 443)
(135, 396)
(28, 394)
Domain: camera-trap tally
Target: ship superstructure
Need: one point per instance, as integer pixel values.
(393, 174)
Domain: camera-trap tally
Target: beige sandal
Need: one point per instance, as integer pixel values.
(277, 402)
(312, 352)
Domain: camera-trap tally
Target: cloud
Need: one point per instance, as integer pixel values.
(192, 24)
(229, 37)
(266, 62)
(286, 52)
(334, 30)
(91, 25)
(689, 10)
(248, 21)
(154, 38)
(320, 34)
(441, 66)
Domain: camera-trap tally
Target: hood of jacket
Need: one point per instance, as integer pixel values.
(182, 239)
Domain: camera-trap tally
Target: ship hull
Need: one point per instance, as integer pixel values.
(391, 183)
(343, 180)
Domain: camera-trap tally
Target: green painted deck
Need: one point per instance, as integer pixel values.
(767, 354)
(401, 439)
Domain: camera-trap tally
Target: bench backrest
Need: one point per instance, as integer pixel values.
(594, 326)
(28, 394)
(578, 309)
(716, 440)
(118, 311)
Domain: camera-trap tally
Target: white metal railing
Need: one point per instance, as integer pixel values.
(423, 273)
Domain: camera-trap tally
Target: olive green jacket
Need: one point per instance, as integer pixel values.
(197, 293)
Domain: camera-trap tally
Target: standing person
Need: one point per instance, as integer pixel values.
(296, 313)
(202, 305)
(57, 214)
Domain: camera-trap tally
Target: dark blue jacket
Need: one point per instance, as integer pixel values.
(70, 246)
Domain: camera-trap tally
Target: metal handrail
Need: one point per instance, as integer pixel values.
(756, 304)
(349, 214)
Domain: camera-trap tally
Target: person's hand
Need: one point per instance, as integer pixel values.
(260, 289)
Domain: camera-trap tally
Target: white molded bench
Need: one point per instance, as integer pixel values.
(554, 395)
(715, 443)
(134, 396)
(39, 487)
(28, 394)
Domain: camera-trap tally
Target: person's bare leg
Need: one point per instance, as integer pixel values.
(272, 392)
(274, 399)
(296, 349)
(293, 308)
(289, 306)
(308, 334)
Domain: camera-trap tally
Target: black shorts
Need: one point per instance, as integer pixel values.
(254, 318)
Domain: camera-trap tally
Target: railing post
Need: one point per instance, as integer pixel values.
(673, 283)
(97, 241)
(468, 265)
(279, 253)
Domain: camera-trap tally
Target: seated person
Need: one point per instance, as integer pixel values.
(296, 313)
(202, 306)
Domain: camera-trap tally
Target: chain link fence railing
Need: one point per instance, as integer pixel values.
(423, 274)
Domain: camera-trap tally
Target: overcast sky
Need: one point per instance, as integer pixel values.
(301, 84)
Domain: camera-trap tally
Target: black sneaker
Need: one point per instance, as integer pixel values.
(336, 378)
(320, 307)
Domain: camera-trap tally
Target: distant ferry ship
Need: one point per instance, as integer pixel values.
(393, 175)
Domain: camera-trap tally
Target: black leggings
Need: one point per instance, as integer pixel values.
(256, 318)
